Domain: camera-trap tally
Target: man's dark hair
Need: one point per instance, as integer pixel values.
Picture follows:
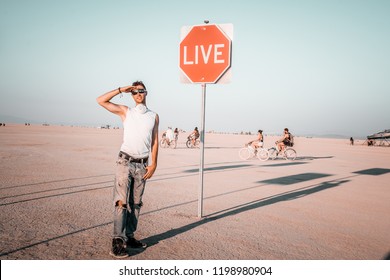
(139, 83)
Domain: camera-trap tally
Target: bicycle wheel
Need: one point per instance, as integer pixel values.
(188, 143)
(290, 154)
(272, 153)
(163, 143)
(262, 154)
(197, 143)
(244, 153)
(172, 144)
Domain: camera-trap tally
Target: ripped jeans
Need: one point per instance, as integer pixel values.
(128, 190)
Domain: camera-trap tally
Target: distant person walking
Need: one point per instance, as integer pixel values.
(176, 132)
(140, 138)
(351, 141)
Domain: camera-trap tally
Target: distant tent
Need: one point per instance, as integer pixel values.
(381, 138)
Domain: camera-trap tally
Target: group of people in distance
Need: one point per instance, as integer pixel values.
(170, 134)
(286, 140)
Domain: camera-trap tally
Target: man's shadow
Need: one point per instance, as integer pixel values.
(290, 195)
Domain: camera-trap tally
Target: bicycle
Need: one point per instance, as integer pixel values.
(249, 152)
(164, 143)
(192, 144)
(287, 153)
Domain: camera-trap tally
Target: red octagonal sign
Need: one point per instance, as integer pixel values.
(205, 54)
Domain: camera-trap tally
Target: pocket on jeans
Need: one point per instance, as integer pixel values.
(121, 161)
(143, 169)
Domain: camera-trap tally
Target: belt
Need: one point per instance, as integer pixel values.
(131, 159)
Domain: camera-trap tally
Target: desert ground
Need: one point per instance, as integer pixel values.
(331, 203)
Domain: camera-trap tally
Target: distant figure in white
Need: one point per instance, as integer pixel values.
(169, 135)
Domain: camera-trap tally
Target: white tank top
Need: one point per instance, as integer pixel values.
(138, 131)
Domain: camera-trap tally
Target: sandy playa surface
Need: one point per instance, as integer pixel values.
(333, 202)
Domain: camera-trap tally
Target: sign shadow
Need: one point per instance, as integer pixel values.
(373, 171)
(286, 196)
(293, 179)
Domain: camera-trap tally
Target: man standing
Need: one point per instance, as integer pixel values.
(140, 138)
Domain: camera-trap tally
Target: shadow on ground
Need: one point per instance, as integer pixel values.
(286, 196)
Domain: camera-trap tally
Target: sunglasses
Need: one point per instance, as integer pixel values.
(134, 92)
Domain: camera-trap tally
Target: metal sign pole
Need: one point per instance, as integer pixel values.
(202, 134)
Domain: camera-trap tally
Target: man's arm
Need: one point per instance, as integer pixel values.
(104, 101)
(280, 140)
(152, 168)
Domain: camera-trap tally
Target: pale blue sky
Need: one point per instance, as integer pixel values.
(314, 66)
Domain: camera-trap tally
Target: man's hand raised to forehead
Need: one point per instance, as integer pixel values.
(128, 88)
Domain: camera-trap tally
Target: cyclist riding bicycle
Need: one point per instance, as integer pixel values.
(286, 140)
(194, 135)
(259, 141)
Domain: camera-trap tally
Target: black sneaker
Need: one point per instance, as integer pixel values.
(118, 249)
(135, 244)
